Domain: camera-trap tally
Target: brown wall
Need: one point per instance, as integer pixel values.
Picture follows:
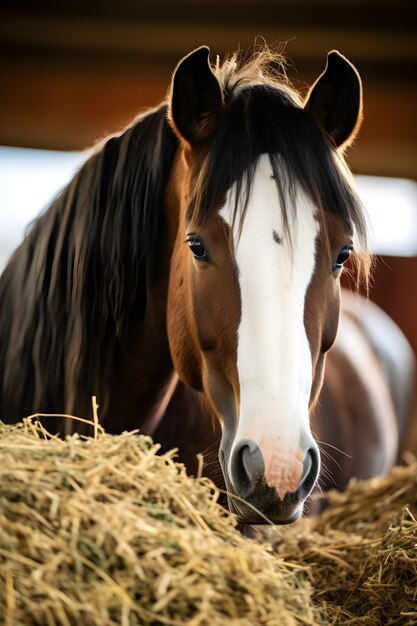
(395, 290)
(71, 72)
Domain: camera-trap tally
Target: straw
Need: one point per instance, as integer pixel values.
(105, 530)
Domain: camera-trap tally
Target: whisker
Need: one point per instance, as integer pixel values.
(330, 458)
(325, 471)
(313, 498)
(329, 445)
(330, 478)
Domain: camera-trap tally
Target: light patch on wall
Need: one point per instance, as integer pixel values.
(391, 205)
(29, 179)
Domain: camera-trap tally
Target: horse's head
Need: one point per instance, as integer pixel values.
(267, 219)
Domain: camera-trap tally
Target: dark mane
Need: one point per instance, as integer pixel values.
(263, 114)
(71, 288)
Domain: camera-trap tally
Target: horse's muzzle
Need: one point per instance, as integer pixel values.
(253, 500)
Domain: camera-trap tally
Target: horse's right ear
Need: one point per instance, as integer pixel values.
(196, 98)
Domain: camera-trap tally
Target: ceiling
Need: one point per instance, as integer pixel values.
(71, 72)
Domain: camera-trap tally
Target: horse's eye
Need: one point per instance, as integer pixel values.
(198, 249)
(342, 257)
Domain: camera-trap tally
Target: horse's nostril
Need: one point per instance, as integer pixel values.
(247, 467)
(307, 466)
(246, 459)
(310, 471)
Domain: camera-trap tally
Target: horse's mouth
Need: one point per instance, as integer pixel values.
(265, 507)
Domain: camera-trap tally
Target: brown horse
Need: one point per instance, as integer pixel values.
(189, 277)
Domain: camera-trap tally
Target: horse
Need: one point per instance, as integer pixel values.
(189, 278)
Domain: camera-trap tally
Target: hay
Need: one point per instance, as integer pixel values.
(362, 551)
(103, 531)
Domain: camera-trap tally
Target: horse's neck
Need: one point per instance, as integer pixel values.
(188, 425)
(162, 400)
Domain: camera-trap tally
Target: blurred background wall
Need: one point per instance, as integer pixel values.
(73, 71)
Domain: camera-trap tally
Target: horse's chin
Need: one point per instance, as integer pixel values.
(261, 532)
(276, 513)
(270, 521)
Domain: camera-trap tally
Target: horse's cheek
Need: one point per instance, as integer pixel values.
(184, 352)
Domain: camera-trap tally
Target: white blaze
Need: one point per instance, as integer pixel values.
(273, 356)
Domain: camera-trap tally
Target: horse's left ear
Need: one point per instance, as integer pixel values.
(196, 98)
(335, 100)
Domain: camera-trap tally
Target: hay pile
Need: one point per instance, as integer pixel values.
(362, 551)
(103, 531)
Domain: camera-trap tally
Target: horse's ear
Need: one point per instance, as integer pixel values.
(196, 97)
(335, 100)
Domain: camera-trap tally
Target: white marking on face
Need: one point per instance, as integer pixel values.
(273, 357)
